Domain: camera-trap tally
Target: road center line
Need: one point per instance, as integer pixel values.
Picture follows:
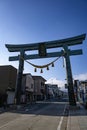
(61, 120)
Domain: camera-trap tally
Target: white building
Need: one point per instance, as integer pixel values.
(52, 90)
(27, 88)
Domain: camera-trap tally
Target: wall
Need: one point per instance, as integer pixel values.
(7, 77)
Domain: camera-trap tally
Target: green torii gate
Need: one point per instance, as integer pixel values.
(42, 53)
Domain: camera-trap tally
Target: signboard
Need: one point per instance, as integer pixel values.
(42, 50)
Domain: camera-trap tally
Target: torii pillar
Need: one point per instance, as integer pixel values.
(19, 78)
(71, 95)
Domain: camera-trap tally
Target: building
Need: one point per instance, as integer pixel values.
(51, 90)
(39, 87)
(27, 88)
(33, 87)
(8, 76)
(83, 89)
(55, 90)
(80, 90)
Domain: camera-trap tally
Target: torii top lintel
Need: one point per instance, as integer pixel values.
(49, 44)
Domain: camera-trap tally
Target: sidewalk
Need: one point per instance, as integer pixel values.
(77, 119)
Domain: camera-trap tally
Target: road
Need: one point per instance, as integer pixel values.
(40, 116)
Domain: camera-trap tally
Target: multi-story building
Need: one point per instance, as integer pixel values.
(51, 90)
(27, 88)
(84, 89)
(55, 90)
(80, 90)
(39, 87)
(8, 76)
(33, 87)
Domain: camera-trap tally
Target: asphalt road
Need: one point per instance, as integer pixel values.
(40, 116)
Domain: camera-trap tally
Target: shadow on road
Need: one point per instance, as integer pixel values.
(47, 108)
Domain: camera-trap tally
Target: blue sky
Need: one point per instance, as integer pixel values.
(32, 21)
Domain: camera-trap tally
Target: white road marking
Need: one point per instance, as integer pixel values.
(61, 120)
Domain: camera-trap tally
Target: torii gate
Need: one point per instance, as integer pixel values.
(42, 53)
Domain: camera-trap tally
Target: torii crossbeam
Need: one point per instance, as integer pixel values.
(42, 53)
